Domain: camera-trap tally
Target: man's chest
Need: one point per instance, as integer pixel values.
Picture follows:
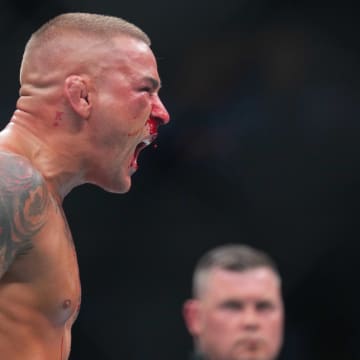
(50, 272)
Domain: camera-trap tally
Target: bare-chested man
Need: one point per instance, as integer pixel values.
(88, 105)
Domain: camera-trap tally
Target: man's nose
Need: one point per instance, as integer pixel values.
(159, 111)
(250, 319)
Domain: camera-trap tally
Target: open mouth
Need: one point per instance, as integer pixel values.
(142, 145)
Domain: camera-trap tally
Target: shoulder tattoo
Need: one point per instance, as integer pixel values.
(23, 202)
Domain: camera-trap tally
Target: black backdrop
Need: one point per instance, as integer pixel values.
(263, 148)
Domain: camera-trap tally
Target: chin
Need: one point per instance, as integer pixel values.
(122, 189)
(119, 187)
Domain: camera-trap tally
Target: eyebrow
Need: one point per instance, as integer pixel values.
(155, 84)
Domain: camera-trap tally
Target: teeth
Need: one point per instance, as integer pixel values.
(147, 142)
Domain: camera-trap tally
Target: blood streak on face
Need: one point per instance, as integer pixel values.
(153, 125)
(58, 117)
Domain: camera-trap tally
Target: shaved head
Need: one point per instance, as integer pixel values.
(49, 47)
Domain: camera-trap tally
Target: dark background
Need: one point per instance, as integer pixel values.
(263, 149)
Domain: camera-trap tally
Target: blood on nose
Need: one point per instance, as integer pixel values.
(160, 113)
(153, 124)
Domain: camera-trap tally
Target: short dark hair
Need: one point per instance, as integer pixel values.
(232, 257)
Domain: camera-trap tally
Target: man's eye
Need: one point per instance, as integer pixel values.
(146, 89)
(233, 305)
(264, 305)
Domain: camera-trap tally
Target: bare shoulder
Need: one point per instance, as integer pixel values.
(24, 199)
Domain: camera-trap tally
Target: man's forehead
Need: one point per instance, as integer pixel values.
(132, 54)
(221, 279)
(142, 70)
(130, 47)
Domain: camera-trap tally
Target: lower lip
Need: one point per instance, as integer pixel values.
(250, 345)
(132, 168)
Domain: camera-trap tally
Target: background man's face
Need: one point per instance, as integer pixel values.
(240, 315)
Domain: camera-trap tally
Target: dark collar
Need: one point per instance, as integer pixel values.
(197, 356)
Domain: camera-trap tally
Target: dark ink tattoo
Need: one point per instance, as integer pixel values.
(23, 202)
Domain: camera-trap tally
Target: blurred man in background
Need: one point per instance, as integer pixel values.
(236, 312)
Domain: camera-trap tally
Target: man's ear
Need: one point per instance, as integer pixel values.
(77, 93)
(192, 316)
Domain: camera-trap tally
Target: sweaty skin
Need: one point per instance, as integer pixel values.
(40, 291)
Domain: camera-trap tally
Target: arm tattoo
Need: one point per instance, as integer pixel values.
(23, 201)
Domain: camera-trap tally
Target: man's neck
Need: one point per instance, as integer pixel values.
(58, 167)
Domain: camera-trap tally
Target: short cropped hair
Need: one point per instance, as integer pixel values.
(104, 26)
(53, 40)
(232, 257)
